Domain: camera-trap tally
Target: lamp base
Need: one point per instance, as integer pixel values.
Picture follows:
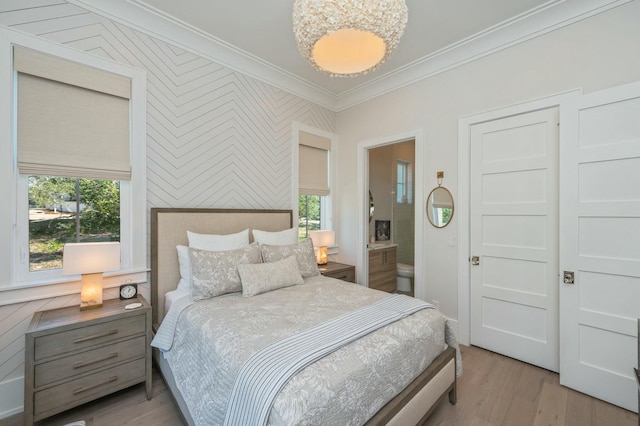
(91, 292)
(321, 256)
(86, 306)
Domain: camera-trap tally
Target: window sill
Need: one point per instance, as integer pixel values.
(63, 286)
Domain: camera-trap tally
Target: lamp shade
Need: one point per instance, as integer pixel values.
(323, 238)
(90, 258)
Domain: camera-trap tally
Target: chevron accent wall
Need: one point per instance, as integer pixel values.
(215, 137)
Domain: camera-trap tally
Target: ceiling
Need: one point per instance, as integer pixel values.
(256, 37)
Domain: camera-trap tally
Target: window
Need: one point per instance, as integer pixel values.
(314, 201)
(73, 149)
(77, 141)
(404, 185)
(309, 215)
(64, 210)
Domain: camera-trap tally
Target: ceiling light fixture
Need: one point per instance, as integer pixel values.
(348, 37)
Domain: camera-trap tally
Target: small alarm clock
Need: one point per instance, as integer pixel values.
(128, 291)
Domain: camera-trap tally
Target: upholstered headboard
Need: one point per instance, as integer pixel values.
(169, 228)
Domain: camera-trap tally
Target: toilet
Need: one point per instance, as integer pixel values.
(404, 278)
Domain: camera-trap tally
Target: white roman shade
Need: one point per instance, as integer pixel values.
(73, 120)
(313, 164)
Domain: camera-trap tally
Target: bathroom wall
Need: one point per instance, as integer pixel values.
(404, 213)
(382, 184)
(381, 180)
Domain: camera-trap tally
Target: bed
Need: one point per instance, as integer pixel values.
(402, 397)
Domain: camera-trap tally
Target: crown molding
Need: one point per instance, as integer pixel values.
(549, 17)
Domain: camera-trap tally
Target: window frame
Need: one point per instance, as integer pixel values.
(16, 282)
(406, 195)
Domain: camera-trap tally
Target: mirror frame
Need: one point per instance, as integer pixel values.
(453, 207)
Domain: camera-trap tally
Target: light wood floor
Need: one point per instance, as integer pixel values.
(494, 390)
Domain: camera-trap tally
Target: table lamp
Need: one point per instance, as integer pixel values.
(90, 260)
(322, 240)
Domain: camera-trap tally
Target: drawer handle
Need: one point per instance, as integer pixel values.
(81, 364)
(95, 336)
(97, 385)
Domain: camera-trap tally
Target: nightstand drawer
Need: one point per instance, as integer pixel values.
(58, 398)
(52, 371)
(73, 340)
(345, 275)
(340, 271)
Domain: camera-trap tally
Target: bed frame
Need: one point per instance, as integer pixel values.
(169, 228)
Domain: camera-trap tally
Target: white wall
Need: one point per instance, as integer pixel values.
(597, 53)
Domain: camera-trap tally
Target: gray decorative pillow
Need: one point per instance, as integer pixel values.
(214, 273)
(303, 252)
(264, 277)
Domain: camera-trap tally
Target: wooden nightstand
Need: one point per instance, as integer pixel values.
(340, 271)
(73, 356)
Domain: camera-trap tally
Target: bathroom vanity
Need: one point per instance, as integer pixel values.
(382, 267)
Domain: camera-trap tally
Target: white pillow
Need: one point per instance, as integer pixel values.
(212, 242)
(263, 277)
(280, 238)
(185, 268)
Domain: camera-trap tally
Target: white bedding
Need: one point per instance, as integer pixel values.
(174, 295)
(214, 337)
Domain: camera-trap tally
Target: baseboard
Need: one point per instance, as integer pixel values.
(453, 323)
(12, 400)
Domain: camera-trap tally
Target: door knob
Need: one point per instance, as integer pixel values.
(475, 260)
(568, 277)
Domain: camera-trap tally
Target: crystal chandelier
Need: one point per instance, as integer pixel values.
(348, 37)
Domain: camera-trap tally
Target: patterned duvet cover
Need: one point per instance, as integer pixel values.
(214, 337)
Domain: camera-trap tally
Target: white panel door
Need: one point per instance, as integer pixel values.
(600, 229)
(514, 233)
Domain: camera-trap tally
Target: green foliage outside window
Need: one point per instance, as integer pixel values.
(53, 220)
(309, 207)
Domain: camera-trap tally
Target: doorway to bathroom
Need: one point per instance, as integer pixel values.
(390, 174)
(392, 224)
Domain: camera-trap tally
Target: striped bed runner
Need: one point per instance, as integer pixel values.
(267, 371)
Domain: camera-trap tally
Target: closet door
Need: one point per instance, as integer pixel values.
(600, 243)
(514, 235)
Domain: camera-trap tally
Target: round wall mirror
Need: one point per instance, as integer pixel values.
(440, 207)
(370, 206)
